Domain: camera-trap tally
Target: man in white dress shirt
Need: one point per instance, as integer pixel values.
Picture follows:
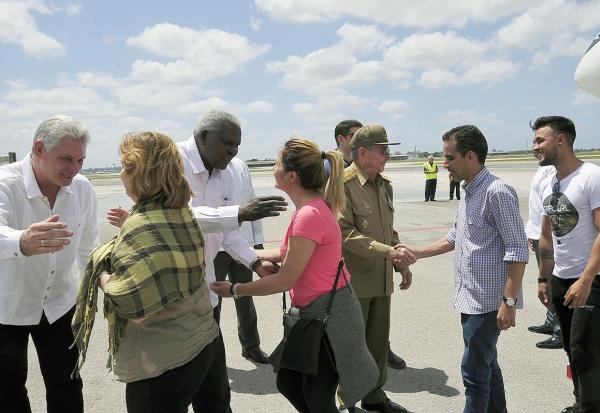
(48, 227)
(206, 156)
(227, 266)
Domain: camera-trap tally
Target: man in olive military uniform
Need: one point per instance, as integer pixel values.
(369, 239)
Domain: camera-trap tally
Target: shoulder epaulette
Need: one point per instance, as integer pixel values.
(350, 173)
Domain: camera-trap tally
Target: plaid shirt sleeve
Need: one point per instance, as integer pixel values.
(504, 208)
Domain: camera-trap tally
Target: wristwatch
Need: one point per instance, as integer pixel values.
(510, 302)
(233, 291)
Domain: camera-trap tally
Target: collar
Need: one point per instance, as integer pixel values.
(477, 181)
(363, 177)
(193, 154)
(31, 186)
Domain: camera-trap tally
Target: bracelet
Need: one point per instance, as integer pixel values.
(542, 280)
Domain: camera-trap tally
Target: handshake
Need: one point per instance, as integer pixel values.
(401, 255)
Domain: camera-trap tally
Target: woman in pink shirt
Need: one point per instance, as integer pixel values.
(309, 255)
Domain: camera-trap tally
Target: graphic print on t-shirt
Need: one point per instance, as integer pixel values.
(563, 215)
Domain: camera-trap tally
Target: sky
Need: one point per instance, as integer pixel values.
(289, 68)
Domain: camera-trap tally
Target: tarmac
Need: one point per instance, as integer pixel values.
(425, 329)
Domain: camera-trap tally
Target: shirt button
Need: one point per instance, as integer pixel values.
(52, 272)
(15, 254)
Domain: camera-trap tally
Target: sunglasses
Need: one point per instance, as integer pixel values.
(555, 194)
(383, 151)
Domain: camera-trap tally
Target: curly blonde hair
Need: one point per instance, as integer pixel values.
(152, 162)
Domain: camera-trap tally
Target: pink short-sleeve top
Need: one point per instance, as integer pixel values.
(316, 221)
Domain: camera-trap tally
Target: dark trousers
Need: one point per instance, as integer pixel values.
(430, 186)
(581, 341)
(482, 377)
(52, 341)
(551, 318)
(376, 315)
(244, 307)
(202, 382)
(454, 187)
(311, 393)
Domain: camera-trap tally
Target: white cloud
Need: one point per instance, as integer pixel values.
(395, 109)
(199, 54)
(435, 50)
(17, 26)
(73, 9)
(110, 39)
(458, 116)
(559, 28)
(332, 69)
(327, 110)
(255, 23)
(326, 70)
(424, 13)
(258, 107)
(449, 59)
(363, 39)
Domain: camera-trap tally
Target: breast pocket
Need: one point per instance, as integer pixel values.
(363, 218)
(74, 223)
(479, 230)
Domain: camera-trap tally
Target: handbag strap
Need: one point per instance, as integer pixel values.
(334, 289)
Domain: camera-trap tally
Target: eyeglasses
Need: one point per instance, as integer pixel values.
(385, 151)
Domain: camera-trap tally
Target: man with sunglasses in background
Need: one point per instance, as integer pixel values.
(344, 131)
(570, 254)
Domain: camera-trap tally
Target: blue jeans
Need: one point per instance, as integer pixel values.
(484, 387)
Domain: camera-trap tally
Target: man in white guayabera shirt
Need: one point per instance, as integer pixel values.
(48, 227)
(206, 157)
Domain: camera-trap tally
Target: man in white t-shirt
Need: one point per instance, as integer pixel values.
(570, 254)
(532, 230)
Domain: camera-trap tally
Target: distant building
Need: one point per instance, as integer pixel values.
(10, 158)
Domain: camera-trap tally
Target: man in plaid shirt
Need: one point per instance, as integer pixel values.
(490, 256)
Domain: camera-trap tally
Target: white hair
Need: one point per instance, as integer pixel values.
(213, 119)
(53, 130)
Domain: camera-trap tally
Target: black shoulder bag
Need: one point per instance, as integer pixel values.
(300, 347)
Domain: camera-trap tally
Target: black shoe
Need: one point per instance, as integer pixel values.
(387, 406)
(256, 355)
(395, 361)
(569, 409)
(541, 329)
(551, 343)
